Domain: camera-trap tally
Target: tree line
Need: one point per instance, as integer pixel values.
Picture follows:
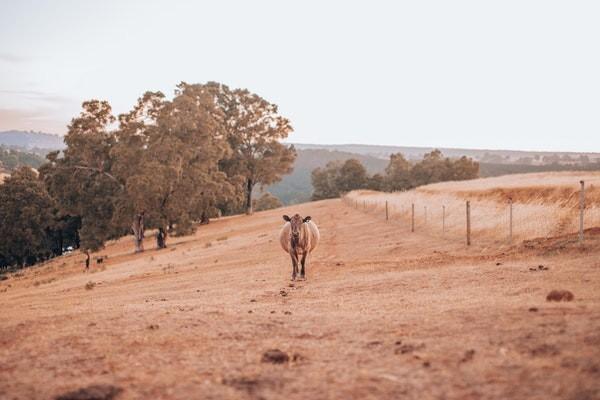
(163, 165)
(339, 177)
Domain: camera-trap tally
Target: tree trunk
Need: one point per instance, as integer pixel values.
(161, 238)
(249, 187)
(204, 220)
(60, 242)
(138, 232)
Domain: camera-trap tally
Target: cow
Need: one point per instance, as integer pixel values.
(299, 237)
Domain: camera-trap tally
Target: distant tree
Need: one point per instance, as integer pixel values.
(254, 129)
(324, 181)
(376, 182)
(432, 168)
(266, 202)
(462, 169)
(337, 178)
(398, 173)
(26, 216)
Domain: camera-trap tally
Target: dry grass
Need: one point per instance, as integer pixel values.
(544, 205)
(384, 314)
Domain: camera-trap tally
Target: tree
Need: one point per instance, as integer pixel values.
(337, 178)
(398, 173)
(254, 129)
(168, 156)
(352, 175)
(26, 216)
(266, 202)
(81, 181)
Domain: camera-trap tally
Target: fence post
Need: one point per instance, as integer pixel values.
(412, 219)
(468, 223)
(510, 219)
(581, 208)
(443, 219)
(387, 215)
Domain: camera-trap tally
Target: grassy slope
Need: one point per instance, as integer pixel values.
(383, 313)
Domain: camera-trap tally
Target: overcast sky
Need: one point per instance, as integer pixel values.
(478, 74)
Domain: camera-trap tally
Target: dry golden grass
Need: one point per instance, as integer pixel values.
(544, 205)
(384, 314)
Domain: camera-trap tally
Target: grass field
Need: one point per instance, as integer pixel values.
(544, 205)
(383, 314)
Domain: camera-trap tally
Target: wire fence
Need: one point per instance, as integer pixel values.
(480, 221)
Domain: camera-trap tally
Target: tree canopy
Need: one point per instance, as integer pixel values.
(163, 165)
(338, 177)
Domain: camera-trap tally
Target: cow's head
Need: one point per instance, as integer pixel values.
(296, 222)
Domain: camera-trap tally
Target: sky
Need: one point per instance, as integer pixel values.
(475, 74)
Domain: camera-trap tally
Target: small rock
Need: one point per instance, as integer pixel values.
(533, 309)
(153, 327)
(275, 356)
(469, 354)
(249, 311)
(283, 293)
(272, 312)
(498, 263)
(253, 301)
(560, 295)
(427, 364)
(287, 312)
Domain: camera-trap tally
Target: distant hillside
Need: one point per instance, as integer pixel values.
(12, 159)
(38, 142)
(297, 187)
(487, 156)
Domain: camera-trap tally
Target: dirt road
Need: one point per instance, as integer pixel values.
(383, 314)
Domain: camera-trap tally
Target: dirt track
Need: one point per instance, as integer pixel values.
(383, 314)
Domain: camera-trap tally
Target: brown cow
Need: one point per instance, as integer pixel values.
(299, 236)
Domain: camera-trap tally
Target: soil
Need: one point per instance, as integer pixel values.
(382, 314)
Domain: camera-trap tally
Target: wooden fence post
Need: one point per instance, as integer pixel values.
(510, 219)
(387, 215)
(581, 208)
(412, 220)
(468, 223)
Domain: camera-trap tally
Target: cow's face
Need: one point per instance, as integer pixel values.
(296, 223)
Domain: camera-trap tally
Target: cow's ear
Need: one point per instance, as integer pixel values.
(286, 218)
(306, 219)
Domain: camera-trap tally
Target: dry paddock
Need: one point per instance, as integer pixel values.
(383, 314)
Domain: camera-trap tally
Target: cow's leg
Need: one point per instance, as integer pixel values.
(294, 256)
(302, 271)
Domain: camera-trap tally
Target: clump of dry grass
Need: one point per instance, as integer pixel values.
(43, 281)
(90, 285)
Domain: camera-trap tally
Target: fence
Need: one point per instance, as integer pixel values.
(481, 220)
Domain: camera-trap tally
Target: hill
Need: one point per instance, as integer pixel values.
(483, 155)
(384, 314)
(297, 187)
(32, 141)
(543, 205)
